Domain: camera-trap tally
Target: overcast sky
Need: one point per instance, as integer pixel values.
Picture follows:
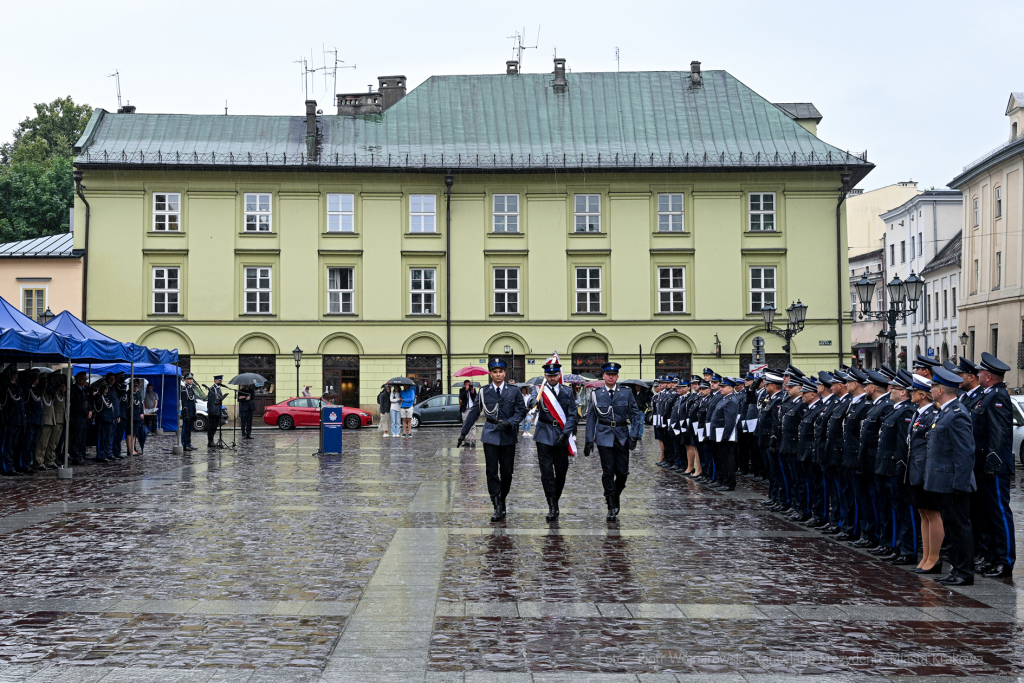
(922, 86)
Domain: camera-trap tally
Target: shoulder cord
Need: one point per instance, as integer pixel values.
(45, 402)
(15, 395)
(32, 395)
(106, 403)
(593, 397)
(491, 413)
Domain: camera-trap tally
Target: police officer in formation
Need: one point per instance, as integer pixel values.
(614, 424)
(555, 435)
(503, 410)
(188, 411)
(214, 401)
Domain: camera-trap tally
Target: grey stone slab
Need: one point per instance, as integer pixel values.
(558, 609)
(377, 665)
(168, 606)
(707, 678)
(942, 614)
(234, 607)
(982, 614)
(450, 609)
(327, 609)
(613, 609)
(371, 653)
(379, 624)
(497, 677)
(132, 606)
(818, 612)
(397, 592)
(721, 611)
(333, 676)
(492, 609)
(384, 640)
(657, 678)
(776, 612)
(647, 610)
(583, 678)
(134, 675)
(872, 613)
(70, 674)
(444, 677)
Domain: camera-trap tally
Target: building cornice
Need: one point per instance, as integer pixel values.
(1001, 154)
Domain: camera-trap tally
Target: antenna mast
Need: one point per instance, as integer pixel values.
(518, 47)
(616, 59)
(117, 79)
(333, 70)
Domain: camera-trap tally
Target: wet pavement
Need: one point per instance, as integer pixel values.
(264, 563)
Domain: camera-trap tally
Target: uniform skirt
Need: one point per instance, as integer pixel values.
(923, 500)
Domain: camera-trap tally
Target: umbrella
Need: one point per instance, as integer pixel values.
(634, 383)
(43, 371)
(595, 383)
(248, 378)
(402, 380)
(458, 385)
(587, 375)
(573, 379)
(471, 371)
(535, 381)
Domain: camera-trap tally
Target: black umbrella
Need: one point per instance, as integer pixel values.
(633, 383)
(536, 381)
(458, 385)
(248, 378)
(402, 380)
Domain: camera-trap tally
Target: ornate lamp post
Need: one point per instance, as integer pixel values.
(46, 316)
(964, 338)
(903, 299)
(297, 355)
(796, 313)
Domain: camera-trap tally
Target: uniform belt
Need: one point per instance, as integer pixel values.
(492, 421)
(545, 419)
(612, 423)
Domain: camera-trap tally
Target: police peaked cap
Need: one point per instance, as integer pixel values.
(772, 378)
(809, 386)
(944, 377)
(993, 364)
(967, 367)
(951, 366)
(610, 368)
(887, 371)
(708, 371)
(795, 372)
(825, 379)
(858, 376)
(497, 363)
(902, 382)
(552, 368)
(922, 383)
(878, 379)
(923, 362)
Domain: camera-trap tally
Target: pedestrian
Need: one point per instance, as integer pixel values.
(556, 443)
(396, 410)
(384, 408)
(138, 441)
(503, 410)
(992, 419)
(467, 399)
(247, 408)
(527, 391)
(613, 425)
(188, 411)
(306, 391)
(438, 388)
(949, 473)
(214, 401)
(425, 392)
(408, 395)
(150, 408)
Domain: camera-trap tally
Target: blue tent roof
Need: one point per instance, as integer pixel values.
(12, 318)
(103, 348)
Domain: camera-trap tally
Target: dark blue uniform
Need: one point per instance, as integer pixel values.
(553, 441)
(891, 464)
(858, 517)
(992, 419)
(949, 473)
(503, 410)
(188, 414)
(876, 501)
(14, 423)
(613, 425)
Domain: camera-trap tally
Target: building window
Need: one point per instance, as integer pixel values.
(971, 342)
(670, 213)
(903, 251)
(762, 211)
(341, 213)
(166, 211)
(879, 295)
(34, 303)
(953, 298)
(166, 288)
(588, 213)
(892, 254)
(945, 306)
(977, 217)
(762, 287)
(257, 289)
(672, 290)
(920, 244)
(422, 290)
(588, 290)
(999, 202)
(422, 213)
(912, 251)
(506, 213)
(995, 342)
(506, 290)
(340, 290)
(999, 269)
(928, 308)
(257, 212)
(977, 276)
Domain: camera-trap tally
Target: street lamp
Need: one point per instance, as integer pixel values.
(903, 299)
(46, 316)
(796, 316)
(297, 355)
(964, 338)
(512, 370)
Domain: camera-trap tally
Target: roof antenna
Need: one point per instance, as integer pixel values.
(518, 47)
(117, 78)
(616, 59)
(338, 64)
(225, 107)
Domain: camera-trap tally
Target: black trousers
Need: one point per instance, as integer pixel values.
(554, 463)
(186, 431)
(614, 468)
(995, 495)
(955, 509)
(76, 448)
(501, 462)
(727, 459)
(211, 429)
(247, 423)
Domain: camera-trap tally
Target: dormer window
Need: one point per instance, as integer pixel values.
(1013, 130)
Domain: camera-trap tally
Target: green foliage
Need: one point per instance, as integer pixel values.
(36, 188)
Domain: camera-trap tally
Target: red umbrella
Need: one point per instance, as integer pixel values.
(595, 383)
(471, 371)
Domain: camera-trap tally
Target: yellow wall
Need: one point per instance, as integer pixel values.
(60, 277)
(863, 211)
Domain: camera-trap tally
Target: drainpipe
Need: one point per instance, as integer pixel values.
(77, 175)
(843, 191)
(449, 180)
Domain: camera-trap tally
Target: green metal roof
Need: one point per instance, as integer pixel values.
(651, 119)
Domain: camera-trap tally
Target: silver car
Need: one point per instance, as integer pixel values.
(1018, 426)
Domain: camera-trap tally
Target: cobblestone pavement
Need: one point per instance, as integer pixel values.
(267, 564)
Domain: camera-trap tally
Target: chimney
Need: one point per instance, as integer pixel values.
(311, 141)
(392, 89)
(560, 84)
(126, 109)
(512, 67)
(696, 80)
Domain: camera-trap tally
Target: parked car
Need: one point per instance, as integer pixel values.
(437, 410)
(1018, 426)
(305, 412)
(201, 420)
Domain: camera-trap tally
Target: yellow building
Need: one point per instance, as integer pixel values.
(42, 274)
(600, 215)
(864, 214)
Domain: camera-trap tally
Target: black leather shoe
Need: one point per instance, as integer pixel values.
(830, 530)
(825, 524)
(613, 509)
(552, 510)
(498, 515)
(934, 569)
(660, 463)
(956, 580)
(902, 560)
(880, 549)
(843, 536)
(1000, 570)
(983, 566)
(864, 543)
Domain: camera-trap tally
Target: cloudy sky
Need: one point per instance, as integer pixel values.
(921, 85)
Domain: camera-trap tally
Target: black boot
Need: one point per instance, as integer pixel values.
(613, 508)
(552, 509)
(499, 512)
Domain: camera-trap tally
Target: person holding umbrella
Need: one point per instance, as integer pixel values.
(247, 408)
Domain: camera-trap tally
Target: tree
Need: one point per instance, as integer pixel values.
(58, 124)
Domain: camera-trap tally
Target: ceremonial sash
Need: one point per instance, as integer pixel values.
(554, 409)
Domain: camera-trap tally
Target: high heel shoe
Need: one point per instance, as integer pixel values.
(935, 569)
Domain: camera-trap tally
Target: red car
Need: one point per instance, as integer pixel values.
(304, 412)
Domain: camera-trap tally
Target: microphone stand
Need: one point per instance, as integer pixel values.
(220, 427)
(320, 423)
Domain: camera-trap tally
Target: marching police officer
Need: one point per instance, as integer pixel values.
(214, 400)
(613, 423)
(556, 427)
(949, 472)
(992, 418)
(188, 411)
(503, 410)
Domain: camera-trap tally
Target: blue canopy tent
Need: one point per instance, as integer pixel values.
(103, 348)
(20, 336)
(163, 377)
